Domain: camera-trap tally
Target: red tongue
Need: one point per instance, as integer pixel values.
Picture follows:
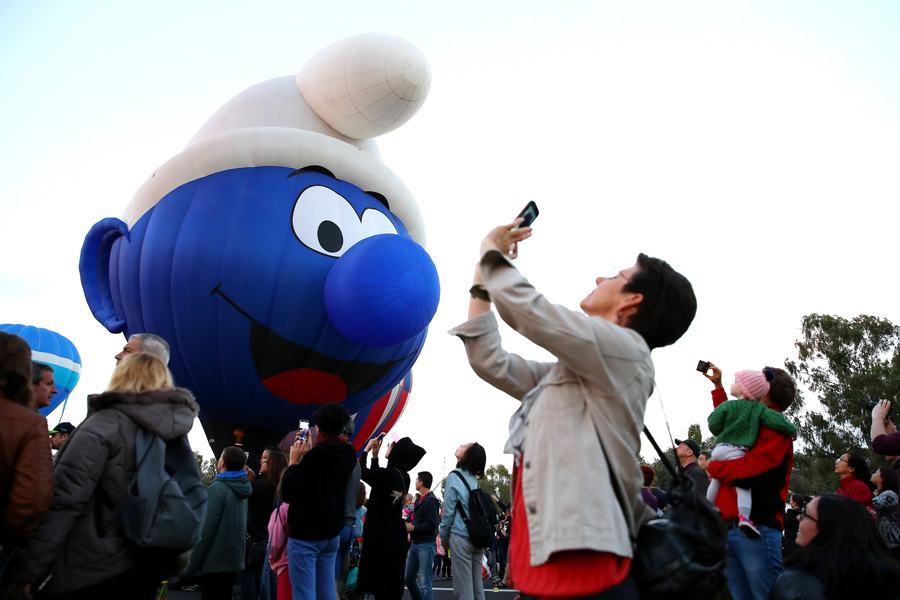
(307, 386)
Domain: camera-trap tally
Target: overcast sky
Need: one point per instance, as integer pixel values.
(752, 145)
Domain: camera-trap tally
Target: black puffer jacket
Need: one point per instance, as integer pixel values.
(79, 540)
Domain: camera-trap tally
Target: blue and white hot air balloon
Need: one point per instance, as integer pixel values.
(282, 261)
(52, 349)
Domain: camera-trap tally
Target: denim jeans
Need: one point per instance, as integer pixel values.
(420, 570)
(311, 565)
(753, 565)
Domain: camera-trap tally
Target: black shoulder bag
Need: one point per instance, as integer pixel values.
(681, 556)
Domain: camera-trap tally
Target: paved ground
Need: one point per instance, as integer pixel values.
(443, 590)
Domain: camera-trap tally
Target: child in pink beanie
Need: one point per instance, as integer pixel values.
(736, 426)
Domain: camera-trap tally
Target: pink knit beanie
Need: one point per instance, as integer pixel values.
(753, 384)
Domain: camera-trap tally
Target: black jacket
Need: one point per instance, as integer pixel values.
(315, 489)
(426, 517)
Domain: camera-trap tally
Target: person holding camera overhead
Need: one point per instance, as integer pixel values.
(582, 414)
(736, 426)
(885, 438)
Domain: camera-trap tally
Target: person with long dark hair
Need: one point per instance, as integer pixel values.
(470, 464)
(856, 480)
(259, 508)
(841, 555)
(886, 506)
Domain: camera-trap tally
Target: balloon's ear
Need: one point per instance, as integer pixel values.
(94, 267)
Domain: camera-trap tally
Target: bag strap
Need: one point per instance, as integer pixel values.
(617, 488)
(459, 505)
(662, 455)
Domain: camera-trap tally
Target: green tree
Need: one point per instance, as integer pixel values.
(208, 468)
(497, 482)
(845, 363)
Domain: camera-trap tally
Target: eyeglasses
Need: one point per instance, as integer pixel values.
(842, 459)
(804, 515)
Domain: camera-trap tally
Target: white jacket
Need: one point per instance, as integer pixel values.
(599, 386)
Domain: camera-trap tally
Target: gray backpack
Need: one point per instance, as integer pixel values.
(164, 506)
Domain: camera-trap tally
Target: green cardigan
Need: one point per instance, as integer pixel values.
(737, 422)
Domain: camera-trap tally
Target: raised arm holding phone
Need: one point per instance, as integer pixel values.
(581, 414)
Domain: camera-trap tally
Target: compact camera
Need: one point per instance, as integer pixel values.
(870, 406)
(703, 366)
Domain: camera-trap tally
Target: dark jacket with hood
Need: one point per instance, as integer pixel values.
(382, 564)
(79, 540)
(223, 543)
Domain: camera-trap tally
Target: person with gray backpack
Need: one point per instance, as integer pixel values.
(80, 549)
(463, 521)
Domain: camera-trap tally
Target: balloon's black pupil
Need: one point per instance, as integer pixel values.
(330, 237)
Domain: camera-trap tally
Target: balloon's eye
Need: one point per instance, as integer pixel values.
(325, 222)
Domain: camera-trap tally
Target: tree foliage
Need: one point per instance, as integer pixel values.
(208, 468)
(845, 363)
(497, 482)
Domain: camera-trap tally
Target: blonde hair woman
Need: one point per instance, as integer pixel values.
(140, 373)
(79, 544)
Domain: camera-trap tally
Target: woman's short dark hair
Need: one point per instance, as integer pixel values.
(848, 554)
(861, 469)
(474, 460)
(15, 369)
(799, 500)
(669, 304)
(649, 475)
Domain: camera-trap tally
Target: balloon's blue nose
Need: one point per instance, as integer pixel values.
(382, 291)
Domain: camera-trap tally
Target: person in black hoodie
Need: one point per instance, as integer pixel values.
(422, 528)
(314, 487)
(383, 559)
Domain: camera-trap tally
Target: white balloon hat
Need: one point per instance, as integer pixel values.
(349, 92)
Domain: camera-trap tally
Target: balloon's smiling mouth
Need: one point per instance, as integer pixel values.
(301, 375)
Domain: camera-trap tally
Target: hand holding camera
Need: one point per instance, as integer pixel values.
(506, 238)
(881, 410)
(711, 372)
(299, 450)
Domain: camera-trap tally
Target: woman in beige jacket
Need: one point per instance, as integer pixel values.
(580, 420)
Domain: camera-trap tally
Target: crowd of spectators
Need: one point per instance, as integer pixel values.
(321, 522)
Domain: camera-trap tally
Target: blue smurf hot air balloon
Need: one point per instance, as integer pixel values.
(281, 260)
(52, 349)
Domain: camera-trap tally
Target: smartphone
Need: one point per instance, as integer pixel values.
(529, 213)
(381, 435)
(703, 366)
(304, 430)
